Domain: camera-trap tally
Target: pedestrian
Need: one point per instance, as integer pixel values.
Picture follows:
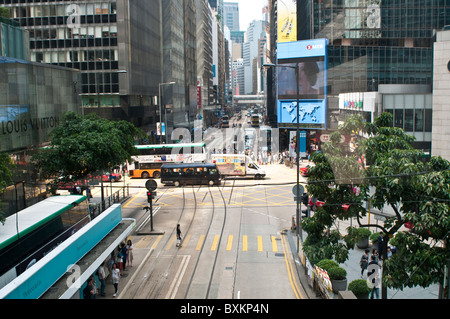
(115, 276)
(375, 254)
(364, 262)
(102, 277)
(119, 258)
(373, 277)
(178, 236)
(90, 290)
(130, 252)
(124, 251)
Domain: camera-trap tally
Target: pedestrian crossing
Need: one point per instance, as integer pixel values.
(231, 242)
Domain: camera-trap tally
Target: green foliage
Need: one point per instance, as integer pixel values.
(417, 192)
(327, 264)
(5, 13)
(337, 273)
(359, 287)
(85, 145)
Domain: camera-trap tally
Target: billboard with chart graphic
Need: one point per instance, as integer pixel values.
(310, 56)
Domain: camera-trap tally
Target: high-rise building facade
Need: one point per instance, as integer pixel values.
(116, 44)
(231, 15)
(384, 47)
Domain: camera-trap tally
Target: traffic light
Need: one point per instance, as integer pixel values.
(305, 199)
(150, 195)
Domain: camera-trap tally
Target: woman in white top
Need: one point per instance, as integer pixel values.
(115, 276)
(130, 253)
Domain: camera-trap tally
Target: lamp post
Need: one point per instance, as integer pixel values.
(298, 214)
(160, 107)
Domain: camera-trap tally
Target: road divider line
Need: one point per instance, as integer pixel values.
(215, 242)
(200, 242)
(274, 244)
(230, 242)
(244, 243)
(260, 243)
(157, 241)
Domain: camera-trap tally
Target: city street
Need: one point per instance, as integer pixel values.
(234, 244)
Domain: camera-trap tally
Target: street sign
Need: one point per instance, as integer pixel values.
(298, 192)
(151, 185)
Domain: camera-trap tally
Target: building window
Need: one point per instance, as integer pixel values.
(418, 121)
(409, 120)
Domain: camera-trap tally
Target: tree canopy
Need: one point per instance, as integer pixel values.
(384, 168)
(84, 145)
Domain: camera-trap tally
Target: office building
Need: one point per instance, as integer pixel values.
(383, 47)
(116, 44)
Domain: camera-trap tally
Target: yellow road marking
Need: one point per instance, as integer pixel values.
(260, 243)
(215, 242)
(200, 242)
(169, 245)
(157, 241)
(244, 243)
(143, 242)
(274, 244)
(134, 198)
(230, 242)
(290, 269)
(185, 242)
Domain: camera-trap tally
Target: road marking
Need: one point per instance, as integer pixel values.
(134, 198)
(244, 243)
(260, 243)
(143, 242)
(274, 244)
(185, 242)
(290, 269)
(170, 243)
(157, 241)
(179, 275)
(200, 242)
(230, 242)
(215, 242)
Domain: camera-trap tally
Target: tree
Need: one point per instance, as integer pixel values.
(5, 13)
(5, 176)
(84, 145)
(417, 193)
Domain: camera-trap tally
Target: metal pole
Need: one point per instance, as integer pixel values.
(160, 114)
(299, 215)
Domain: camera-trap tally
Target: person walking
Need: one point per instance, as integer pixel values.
(130, 253)
(373, 277)
(124, 251)
(115, 276)
(102, 278)
(364, 262)
(178, 236)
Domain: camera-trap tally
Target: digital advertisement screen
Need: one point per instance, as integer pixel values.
(309, 87)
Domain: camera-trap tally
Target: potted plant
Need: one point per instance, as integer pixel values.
(327, 264)
(374, 239)
(338, 278)
(362, 237)
(360, 288)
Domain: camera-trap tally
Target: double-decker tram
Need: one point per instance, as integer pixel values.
(149, 158)
(29, 235)
(190, 173)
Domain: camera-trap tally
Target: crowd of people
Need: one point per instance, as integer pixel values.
(113, 269)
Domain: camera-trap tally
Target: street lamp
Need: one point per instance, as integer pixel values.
(298, 214)
(160, 109)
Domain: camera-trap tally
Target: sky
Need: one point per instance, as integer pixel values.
(249, 10)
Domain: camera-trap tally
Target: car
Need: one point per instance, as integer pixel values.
(304, 171)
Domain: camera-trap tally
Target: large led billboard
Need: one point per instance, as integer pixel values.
(310, 57)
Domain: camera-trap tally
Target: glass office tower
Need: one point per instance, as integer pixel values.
(380, 46)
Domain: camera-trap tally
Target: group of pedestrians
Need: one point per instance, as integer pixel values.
(372, 265)
(115, 265)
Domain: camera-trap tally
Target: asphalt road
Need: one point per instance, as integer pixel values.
(233, 240)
